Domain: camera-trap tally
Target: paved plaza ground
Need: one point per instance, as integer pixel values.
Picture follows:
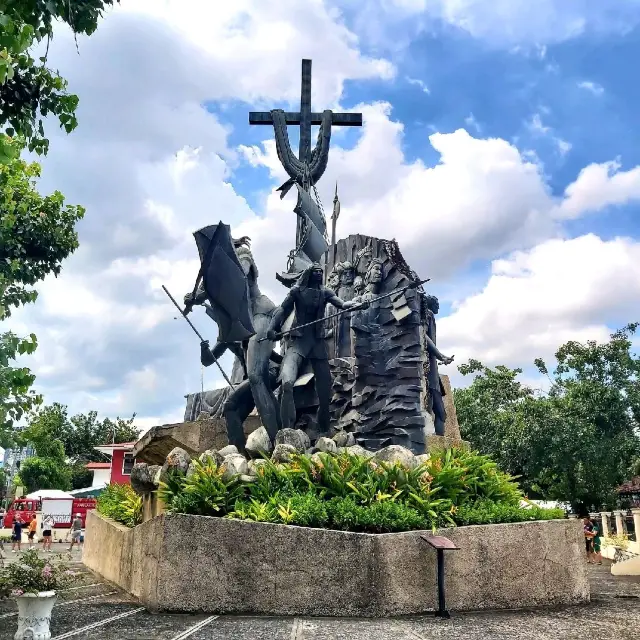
(97, 610)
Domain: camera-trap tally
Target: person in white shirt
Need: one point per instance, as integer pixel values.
(47, 531)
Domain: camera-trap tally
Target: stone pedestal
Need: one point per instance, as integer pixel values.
(636, 523)
(223, 566)
(620, 524)
(451, 426)
(194, 437)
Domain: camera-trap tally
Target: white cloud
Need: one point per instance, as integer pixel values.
(538, 128)
(482, 198)
(471, 121)
(419, 83)
(536, 300)
(599, 186)
(520, 22)
(593, 87)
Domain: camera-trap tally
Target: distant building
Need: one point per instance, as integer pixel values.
(13, 458)
(629, 493)
(101, 473)
(118, 471)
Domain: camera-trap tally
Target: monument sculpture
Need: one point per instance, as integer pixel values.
(306, 341)
(229, 290)
(379, 393)
(435, 386)
(370, 367)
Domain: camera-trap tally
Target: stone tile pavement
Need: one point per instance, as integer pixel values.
(96, 610)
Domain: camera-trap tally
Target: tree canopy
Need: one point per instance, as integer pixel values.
(29, 90)
(578, 441)
(52, 431)
(36, 232)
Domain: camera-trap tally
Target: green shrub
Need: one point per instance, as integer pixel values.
(353, 493)
(488, 512)
(464, 476)
(205, 492)
(378, 517)
(121, 503)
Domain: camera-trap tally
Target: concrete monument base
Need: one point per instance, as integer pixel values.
(217, 565)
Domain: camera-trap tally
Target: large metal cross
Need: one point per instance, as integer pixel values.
(305, 117)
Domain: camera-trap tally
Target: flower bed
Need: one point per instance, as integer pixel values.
(354, 493)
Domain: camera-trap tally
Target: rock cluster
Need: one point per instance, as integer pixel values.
(146, 478)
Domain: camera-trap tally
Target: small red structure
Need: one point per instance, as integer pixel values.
(122, 462)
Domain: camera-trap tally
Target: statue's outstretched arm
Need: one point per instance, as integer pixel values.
(339, 303)
(431, 347)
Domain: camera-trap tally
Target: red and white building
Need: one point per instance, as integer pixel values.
(118, 470)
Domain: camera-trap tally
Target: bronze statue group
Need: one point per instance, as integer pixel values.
(313, 313)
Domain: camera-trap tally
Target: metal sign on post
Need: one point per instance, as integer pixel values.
(441, 544)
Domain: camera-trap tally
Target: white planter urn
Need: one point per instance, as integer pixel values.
(34, 615)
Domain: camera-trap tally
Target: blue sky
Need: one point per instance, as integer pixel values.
(478, 118)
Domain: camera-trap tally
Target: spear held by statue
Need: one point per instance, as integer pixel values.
(184, 315)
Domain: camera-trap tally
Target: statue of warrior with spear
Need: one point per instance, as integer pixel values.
(308, 297)
(227, 286)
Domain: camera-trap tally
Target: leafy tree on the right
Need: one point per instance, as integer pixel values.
(575, 443)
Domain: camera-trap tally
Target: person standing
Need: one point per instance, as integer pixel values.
(33, 525)
(2, 515)
(16, 536)
(76, 531)
(47, 530)
(596, 541)
(588, 536)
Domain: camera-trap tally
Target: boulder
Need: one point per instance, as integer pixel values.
(254, 465)
(143, 477)
(396, 453)
(282, 452)
(234, 464)
(357, 450)
(259, 443)
(344, 439)
(211, 455)
(192, 469)
(228, 450)
(177, 461)
(423, 458)
(297, 438)
(327, 445)
(246, 478)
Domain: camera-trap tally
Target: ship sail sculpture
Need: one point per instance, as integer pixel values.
(304, 171)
